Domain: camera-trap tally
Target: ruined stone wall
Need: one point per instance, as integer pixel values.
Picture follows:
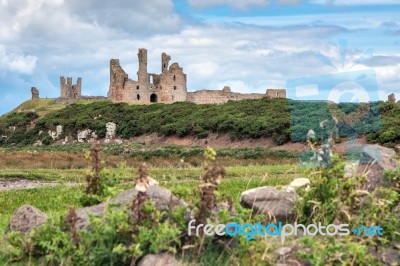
(276, 93)
(219, 96)
(167, 87)
(173, 85)
(69, 90)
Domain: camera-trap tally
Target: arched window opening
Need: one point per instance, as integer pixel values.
(153, 98)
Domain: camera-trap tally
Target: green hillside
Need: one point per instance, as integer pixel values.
(281, 119)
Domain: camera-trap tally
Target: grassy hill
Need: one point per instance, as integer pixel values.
(282, 120)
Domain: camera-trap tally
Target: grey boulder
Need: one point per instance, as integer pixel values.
(163, 199)
(26, 218)
(270, 202)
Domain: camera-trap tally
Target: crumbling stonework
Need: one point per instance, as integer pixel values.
(35, 93)
(392, 98)
(70, 91)
(220, 96)
(167, 87)
(276, 93)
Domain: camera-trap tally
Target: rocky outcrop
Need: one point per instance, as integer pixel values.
(162, 198)
(26, 218)
(55, 134)
(274, 204)
(111, 129)
(86, 135)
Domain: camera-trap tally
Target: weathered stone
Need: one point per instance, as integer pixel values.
(66, 139)
(374, 160)
(392, 98)
(351, 169)
(52, 134)
(283, 252)
(86, 135)
(70, 91)
(397, 148)
(162, 259)
(169, 86)
(55, 134)
(276, 93)
(35, 93)
(163, 200)
(26, 218)
(298, 183)
(38, 143)
(111, 128)
(270, 202)
(118, 141)
(59, 130)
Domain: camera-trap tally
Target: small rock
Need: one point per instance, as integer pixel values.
(270, 201)
(118, 141)
(26, 218)
(350, 169)
(162, 259)
(283, 252)
(300, 183)
(397, 148)
(163, 200)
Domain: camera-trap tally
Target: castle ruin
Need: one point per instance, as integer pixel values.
(169, 86)
(70, 91)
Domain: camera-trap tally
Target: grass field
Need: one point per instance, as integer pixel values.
(55, 201)
(180, 170)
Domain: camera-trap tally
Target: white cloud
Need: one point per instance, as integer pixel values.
(242, 5)
(17, 61)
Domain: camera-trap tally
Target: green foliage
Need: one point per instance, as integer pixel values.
(101, 182)
(109, 240)
(281, 119)
(334, 198)
(335, 252)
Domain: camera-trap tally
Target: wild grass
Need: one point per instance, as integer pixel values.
(73, 157)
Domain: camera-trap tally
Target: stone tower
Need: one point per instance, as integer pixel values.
(69, 90)
(143, 76)
(164, 62)
(167, 87)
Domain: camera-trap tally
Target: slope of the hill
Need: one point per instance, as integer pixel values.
(280, 119)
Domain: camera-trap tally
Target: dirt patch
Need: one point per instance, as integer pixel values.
(19, 183)
(224, 141)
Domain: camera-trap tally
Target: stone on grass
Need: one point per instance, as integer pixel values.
(298, 183)
(162, 259)
(26, 218)
(163, 200)
(270, 202)
(374, 161)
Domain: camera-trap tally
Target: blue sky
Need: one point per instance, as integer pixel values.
(249, 45)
